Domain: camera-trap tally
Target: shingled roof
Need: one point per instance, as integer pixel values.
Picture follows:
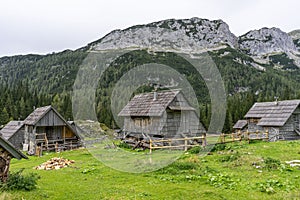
(11, 128)
(240, 124)
(36, 115)
(273, 113)
(147, 104)
(11, 149)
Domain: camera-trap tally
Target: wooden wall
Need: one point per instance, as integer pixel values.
(51, 119)
(18, 139)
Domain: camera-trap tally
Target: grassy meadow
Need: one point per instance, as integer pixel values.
(232, 171)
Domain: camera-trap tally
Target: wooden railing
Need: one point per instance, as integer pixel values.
(185, 145)
(223, 138)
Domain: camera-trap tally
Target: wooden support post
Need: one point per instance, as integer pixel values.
(56, 147)
(256, 134)
(38, 151)
(204, 140)
(232, 136)
(267, 135)
(150, 146)
(248, 137)
(41, 153)
(185, 144)
(240, 135)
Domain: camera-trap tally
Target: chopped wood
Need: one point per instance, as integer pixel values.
(293, 163)
(55, 163)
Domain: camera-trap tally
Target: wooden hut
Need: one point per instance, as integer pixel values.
(240, 125)
(7, 152)
(47, 129)
(164, 114)
(14, 133)
(280, 118)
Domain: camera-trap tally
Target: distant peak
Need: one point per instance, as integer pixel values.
(184, 34)
(266, 40)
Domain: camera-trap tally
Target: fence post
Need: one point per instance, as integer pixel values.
(248, 137)
(56, 147)
(256, 134)
(185, 144)
(267, 134)
(150, 146)
(204, 140)
(232, 136)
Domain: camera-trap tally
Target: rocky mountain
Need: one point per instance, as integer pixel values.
(186, 34)
(266, 41)
(295, 35)
(265, 46)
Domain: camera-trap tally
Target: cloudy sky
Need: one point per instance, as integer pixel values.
(46, 26)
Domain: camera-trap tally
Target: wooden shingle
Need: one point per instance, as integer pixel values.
(272, 113)
(150, 104)
(11, 128)
(240, 124)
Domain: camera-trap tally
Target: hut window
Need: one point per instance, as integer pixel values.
(139, 121)
(254, 120)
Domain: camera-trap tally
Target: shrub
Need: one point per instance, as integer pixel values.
(178, 168)
(195, 150)
(219, 147)
(271, 163)
(271, 186)
(222, 180)
(124, 145)
(229, 158)
(18, 181)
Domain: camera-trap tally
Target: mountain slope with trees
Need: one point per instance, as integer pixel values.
(30, 81)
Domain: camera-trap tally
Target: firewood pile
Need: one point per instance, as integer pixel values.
(293, 163)
(55, 163)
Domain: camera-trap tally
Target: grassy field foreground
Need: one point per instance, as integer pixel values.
(234, 171)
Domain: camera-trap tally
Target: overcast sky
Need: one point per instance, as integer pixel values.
(46, 26)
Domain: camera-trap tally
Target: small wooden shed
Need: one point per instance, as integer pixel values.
(240, 125)
(164, 114)
(14, 133)
(280, 118)
(7, 152)
(47, 129)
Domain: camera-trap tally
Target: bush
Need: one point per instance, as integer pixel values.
(229, 158)
(18, 181)
(178, 168)
(271, 163)
(124, 145)
(222, 180)
(195, 150)
(271, 186)
(219, 147)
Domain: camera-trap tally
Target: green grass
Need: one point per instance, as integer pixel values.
(229, 173)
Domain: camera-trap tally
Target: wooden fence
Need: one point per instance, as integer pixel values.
(187, 142)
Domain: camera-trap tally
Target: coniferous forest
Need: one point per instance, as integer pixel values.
(31, 81)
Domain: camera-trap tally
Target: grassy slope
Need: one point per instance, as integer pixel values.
(187, 178)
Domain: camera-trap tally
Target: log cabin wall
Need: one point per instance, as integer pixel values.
(50, 119)
(18, 139)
